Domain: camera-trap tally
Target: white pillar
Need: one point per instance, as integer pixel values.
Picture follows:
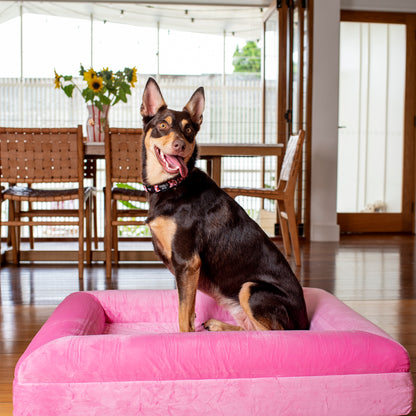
(21, 43)
(92, 40)
(325, 121)
(158, 52)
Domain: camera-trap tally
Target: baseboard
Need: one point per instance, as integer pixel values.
(325, 232)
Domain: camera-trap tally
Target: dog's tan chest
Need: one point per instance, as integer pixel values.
(163, 231)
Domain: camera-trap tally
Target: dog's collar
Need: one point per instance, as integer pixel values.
(165, 186)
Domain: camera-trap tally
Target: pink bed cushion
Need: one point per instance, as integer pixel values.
(151, 349)
(209, 356)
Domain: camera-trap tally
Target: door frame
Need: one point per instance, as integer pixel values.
(404, 221)
(285, 122)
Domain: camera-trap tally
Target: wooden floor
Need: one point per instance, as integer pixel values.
(375, 275)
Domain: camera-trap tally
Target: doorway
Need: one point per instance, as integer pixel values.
(376, 122)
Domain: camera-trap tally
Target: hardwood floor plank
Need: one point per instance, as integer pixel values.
(6, 392)
(6, 409)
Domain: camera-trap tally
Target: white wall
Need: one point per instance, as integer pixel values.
(380, 5)
(325, 121)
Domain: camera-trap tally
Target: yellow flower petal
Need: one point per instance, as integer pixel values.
(134, 77)
(57, 80)
(89, 75)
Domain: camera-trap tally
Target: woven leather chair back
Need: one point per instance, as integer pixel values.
(41, 155)
(125, 148)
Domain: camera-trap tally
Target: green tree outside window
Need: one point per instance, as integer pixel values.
(248, 59)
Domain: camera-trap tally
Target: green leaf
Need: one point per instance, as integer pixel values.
(129, 73)
(106, 75)
(122, 96)
(105, 100)
(126, 186)
(98, 105)
(125, 88)
(126, 203)
(88, 94)
(68, 89)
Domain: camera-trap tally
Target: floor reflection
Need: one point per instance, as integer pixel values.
(50, 284)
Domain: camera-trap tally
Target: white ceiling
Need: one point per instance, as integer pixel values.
(242, 18)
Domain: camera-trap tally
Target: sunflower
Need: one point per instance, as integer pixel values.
(89, 75)
(104, 87)
(57, 80)
(96, 84)
(133, 77)
(106, 74)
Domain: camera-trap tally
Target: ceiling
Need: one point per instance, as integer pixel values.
(240, 18)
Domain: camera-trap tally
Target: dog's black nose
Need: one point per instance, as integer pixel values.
(179, 145)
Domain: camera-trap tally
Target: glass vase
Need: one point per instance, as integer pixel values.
(96, 123)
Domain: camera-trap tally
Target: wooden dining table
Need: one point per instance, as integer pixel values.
(211, 152)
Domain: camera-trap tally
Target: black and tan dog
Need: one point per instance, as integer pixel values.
(203, 236)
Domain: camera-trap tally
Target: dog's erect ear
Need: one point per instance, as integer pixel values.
(196, 105)
(152, 100)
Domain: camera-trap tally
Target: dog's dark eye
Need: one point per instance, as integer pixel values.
(163, 125)
(188, 130)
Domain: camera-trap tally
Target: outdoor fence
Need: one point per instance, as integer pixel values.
(232, 115)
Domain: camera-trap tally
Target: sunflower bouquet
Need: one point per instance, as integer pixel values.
(103, 88)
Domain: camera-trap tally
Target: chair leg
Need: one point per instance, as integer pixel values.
(94, 202)
(31, 238)
(81, 265)
(19, 228)
(9, 235)
(94, 213)
(88, 229)
(293, 229)
(114, 230)
(81, 242)
(284, 227)
(107, 237)
(14, 232)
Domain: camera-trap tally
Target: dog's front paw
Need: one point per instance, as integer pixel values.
(213, 325)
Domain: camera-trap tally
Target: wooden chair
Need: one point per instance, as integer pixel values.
(123, 160)
(90, 172)
(1, 201)
(45, 156)
(284, 194)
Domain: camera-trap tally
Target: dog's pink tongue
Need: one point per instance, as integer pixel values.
(178, 162)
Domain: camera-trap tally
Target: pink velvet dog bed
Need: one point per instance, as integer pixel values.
(119, 353)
